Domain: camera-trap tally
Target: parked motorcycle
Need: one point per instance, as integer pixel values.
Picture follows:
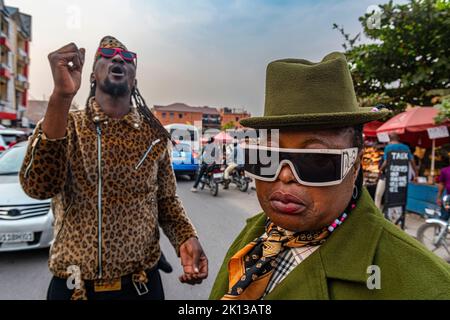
(238, 178)
(212, 178)
(435, 233)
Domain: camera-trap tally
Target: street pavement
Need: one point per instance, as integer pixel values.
(25, 275)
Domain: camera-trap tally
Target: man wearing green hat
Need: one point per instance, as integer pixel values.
(107, 169)
(320, 235)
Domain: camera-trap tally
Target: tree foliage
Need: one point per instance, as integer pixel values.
(407, 54)
(228, 126)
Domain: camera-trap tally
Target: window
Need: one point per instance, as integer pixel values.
(164, 115)
(180, 115)
(237, 119)
(3, 91)
(5, 27)
(171, 115)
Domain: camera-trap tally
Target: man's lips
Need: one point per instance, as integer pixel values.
(286, 203)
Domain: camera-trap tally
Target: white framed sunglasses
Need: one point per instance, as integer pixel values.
(311, 167)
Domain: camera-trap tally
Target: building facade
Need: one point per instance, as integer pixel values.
(184, 114)
(230, 117)
(177, 113)
(15, 38)
(210, 118)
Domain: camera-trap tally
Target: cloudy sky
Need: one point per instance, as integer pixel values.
(198, 52)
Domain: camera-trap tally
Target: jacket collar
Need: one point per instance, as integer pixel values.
(346, 255)
(132, 118)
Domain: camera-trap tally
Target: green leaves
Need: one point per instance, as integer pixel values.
(444, 111)
(410, 47)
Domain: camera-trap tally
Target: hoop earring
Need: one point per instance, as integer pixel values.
(93, 84)
(355, 193)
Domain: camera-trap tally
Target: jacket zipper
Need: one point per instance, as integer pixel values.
(33, 152)
(146, 154)
(99, 197)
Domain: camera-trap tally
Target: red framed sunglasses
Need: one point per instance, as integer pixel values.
(111, 52)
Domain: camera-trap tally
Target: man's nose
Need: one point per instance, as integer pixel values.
(118, 59)
(286, 175)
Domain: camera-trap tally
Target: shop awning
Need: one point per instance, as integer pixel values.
(412, 126)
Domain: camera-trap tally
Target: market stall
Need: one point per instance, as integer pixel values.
(372, 157)
(416, 127)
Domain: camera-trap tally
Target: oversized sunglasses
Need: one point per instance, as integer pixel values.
(311, 167)
(112, 52)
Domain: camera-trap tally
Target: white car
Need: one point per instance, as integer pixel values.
(7, 136)
(25, 223)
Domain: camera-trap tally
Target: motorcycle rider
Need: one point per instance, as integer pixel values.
(235, 157)
(208, 157)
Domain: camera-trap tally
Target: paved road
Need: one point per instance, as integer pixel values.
(24, 275)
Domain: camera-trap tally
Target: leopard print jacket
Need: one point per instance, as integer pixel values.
(107, 217)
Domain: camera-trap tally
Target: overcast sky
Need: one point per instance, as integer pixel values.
(194, 51)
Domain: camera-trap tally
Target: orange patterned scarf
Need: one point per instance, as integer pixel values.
(251, 268)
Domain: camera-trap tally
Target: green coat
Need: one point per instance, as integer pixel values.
(338, 269)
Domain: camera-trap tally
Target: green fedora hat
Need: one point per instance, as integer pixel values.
(304, 94)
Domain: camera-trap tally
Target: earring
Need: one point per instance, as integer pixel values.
(92, 84)
(355, 193)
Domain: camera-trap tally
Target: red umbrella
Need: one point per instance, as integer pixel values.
(223, 137)
(370, 129)
(412, 126)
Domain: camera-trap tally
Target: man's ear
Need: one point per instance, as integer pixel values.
(93, 77)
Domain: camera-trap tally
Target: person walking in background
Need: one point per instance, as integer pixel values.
(443, 185)
(394, 145)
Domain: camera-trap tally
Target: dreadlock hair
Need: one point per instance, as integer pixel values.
(142, 108)
(148, 115)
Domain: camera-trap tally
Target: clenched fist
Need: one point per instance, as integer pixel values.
(67, 64)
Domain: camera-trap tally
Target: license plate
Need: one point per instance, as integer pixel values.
(16, 237)
(217, 175)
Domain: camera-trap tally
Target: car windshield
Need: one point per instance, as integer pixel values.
(11, 160)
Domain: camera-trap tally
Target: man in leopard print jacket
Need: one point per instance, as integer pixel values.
(109, 173)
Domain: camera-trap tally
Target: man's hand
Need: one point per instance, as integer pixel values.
(67, 64)
(194, 262)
